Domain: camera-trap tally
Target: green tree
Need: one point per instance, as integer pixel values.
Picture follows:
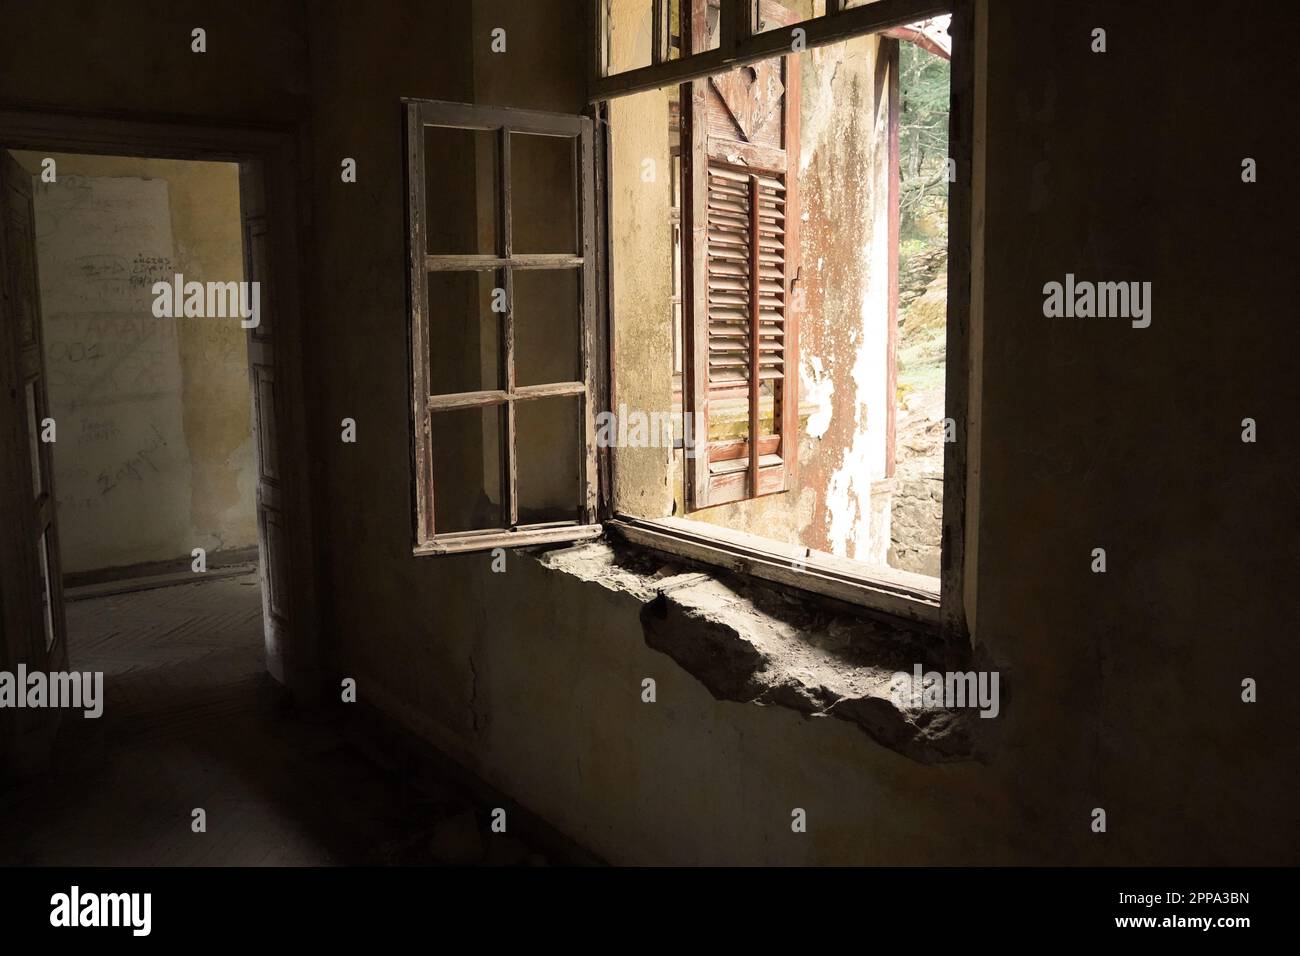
(923, 85)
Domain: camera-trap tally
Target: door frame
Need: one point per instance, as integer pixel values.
(274, 152)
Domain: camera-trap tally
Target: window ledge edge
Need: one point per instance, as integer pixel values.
(908, 604)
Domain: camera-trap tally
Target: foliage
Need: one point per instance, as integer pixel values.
(923, 142)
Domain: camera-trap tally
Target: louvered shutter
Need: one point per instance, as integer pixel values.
(741, 148)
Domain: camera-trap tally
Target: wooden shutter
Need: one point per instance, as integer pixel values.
(32, 625)
(740, 251)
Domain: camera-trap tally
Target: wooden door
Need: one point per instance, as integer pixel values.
(31, 593)
(273, 550)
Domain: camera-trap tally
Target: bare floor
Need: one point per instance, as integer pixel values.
(192, 721)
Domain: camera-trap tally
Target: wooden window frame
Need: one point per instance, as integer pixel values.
(503, 123)
(738, 44)
(896, 593)
(947, 612)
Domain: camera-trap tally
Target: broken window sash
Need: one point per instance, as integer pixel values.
(639, 45)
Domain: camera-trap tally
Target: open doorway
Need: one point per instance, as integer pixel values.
(153, 380)
(149, 437)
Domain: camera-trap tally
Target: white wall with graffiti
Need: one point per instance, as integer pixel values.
(153, 454)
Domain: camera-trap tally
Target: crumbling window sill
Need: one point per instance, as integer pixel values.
(900, 594)
(751, 643)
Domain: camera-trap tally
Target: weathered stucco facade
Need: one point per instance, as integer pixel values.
(840, 292)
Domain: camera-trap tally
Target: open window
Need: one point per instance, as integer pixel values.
(793, 310)
(693, 320)
(501, 213)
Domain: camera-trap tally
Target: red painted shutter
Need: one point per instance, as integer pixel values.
(740, 251)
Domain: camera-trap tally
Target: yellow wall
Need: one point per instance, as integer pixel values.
(641, 234)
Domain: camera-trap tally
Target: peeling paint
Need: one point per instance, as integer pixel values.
(840, 294)
(817, 388)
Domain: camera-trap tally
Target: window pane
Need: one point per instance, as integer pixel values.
(707, 34)
(547, 439)
(466, 445)
(675, 22)
(629, 40)
(460, 190)
(543, 185)
(548, 315)
(464, 332)
(783, 14)
(628, 36)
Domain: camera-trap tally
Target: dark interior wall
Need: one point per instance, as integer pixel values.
(1127, 166)
(421, 617)
(1122, 689)
(392, 615)
(136, 58)
(405, 627)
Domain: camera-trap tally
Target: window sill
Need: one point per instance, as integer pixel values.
(522, 537)
(750, 643)
(900, 594)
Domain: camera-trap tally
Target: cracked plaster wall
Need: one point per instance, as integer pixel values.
(1126, 684)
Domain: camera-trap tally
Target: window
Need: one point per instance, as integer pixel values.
(802, 331)
(501, 213)
(748, 195)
